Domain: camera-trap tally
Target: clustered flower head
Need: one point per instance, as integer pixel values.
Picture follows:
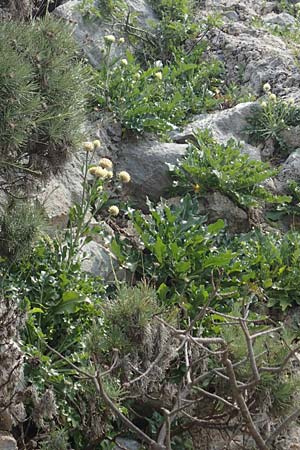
(105, 163)
(272, 97)
(110, 38)
(267, 87)
(91, 146)
(196, 188)
(158, 75)
(297, 5)
(124, 177)
(113, 210)
(99, 172)
(124, 62)
(121, 40)
(88, 146)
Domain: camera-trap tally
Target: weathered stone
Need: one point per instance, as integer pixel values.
(224, 125)
(261, 56)
(146, 161)
(291, 137)
(129, 444)
(217, 206)
(90, 31)
(282, 19)
(290, 171)
(7, 442)
(99, 261)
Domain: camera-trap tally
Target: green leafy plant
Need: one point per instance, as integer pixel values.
(157, 98)
(270, 263)
(270, 119)
(43, 87)
(180, 252)
(103, 9)
(211, 166)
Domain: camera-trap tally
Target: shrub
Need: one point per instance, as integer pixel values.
(19, 226)
(210, 166)
(42, 89)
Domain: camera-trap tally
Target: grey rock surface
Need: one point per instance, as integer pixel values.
(99, 261)
(7, 442)
(129, 444)
(146, 161)
(217, 206)
(90, 31)
(290, 170)
(224, 125)
(291, 137)
(283, 19)
(253, 57)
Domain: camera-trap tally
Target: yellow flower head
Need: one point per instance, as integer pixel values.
(158, 75)
(110, 38)
(88, 146)
(96, 144)
(266, 87)
(105, 163)
(121, 40)
(196, 188)
(92, 170)
(101, 173)
(124, 177)
(124, 62)
(113, 210)
(272, 97)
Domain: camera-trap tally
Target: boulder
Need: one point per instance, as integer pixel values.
(146, 161)
(224, 125)
(291, 137)
(217, 206)
(290, 171)
(129, 444)
(99, 261)
(7, 442)
(282, 19)
(90, 31)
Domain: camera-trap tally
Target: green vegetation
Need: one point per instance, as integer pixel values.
(43, 87)
(271, 118)
(210, 166)
(156, 98)
(104, 9)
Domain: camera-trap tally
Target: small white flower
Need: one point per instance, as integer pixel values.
(110, 38)
(158, 63)
(124, 62)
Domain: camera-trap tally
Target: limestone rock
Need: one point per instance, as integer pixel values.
(7, 442)
(291, 137)
(99, 261)
(217, 206)
(224, 125)
(253, 57)
(146, 161)
(282, 19)
(129, 444)
(290, 170)
(90, 32)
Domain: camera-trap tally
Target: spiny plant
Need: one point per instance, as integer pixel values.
(211, 166)
(42, 88)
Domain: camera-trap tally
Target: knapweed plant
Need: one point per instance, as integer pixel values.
(211, 166)
(159, 97)
(271, 118)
